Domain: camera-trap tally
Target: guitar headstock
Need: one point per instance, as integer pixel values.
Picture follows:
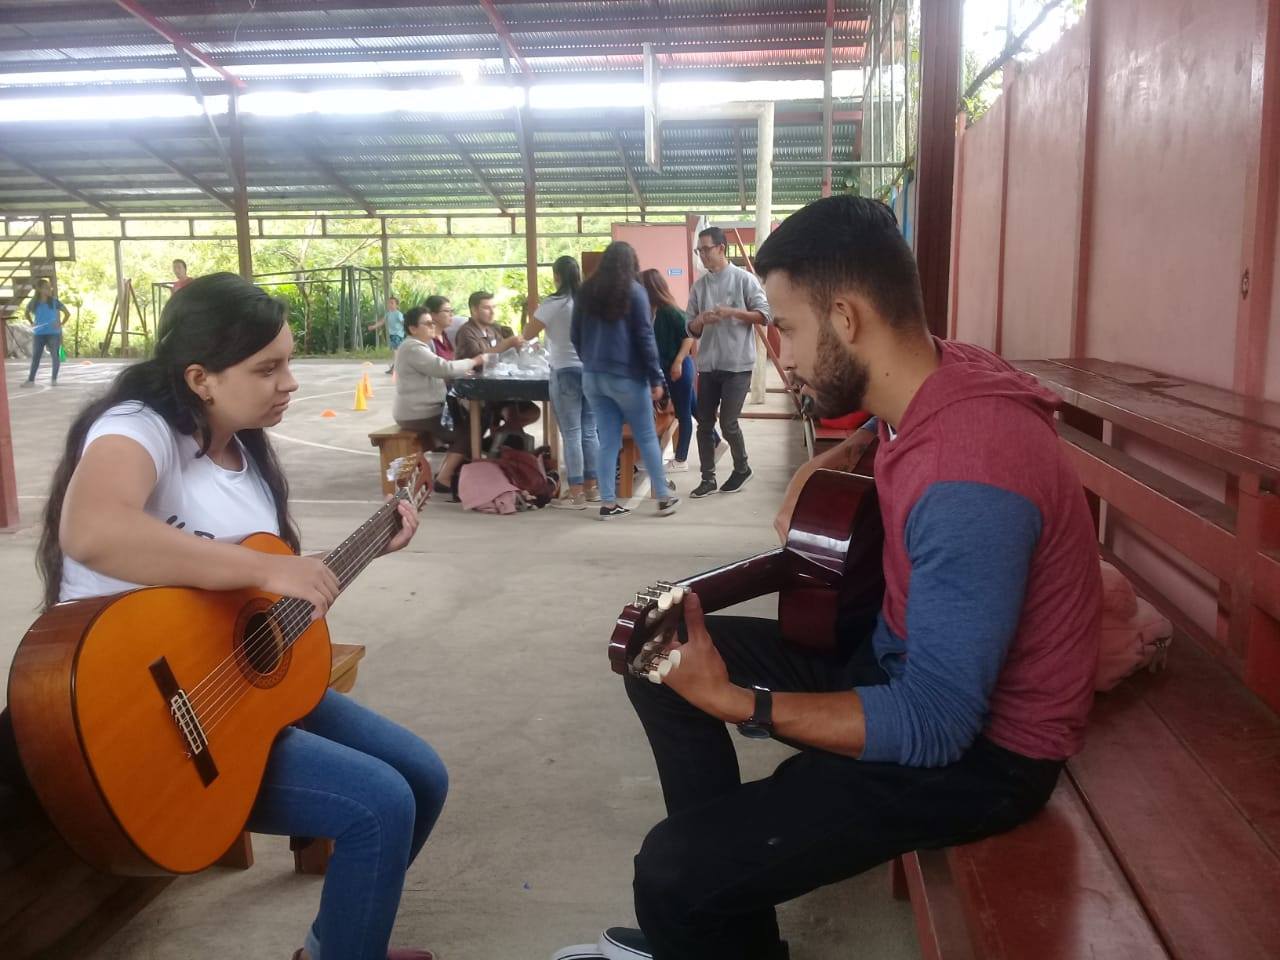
(658, 613)
(412, 479)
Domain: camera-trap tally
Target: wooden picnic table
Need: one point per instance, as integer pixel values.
(478, 390)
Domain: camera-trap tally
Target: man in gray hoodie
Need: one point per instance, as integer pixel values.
(726, 304)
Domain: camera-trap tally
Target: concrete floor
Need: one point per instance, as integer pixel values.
(552, 783)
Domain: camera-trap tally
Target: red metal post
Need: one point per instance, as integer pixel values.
(1088, 176)
(940, 46)
(8, 476)
(1010, 73)
(1262, 187)
(167, 31)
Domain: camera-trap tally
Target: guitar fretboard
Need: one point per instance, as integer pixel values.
(347, 560)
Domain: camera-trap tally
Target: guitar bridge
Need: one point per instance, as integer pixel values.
(185, 719)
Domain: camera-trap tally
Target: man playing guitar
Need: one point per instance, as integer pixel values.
(951, 720)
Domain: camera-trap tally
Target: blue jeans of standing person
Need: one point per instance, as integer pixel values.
(577, 426)
(38, 342)
(617, 399)
(376, 790)
(684, 397)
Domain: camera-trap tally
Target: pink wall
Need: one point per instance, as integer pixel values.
(975, 291)
(664, 247)
(1168, 204)
(1125, 186)
(1046, 158)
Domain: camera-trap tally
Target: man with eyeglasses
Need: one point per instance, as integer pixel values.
(726, 304)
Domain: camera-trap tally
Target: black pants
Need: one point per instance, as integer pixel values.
(708, 877)
(724, 393)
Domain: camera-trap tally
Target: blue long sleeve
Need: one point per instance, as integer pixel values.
(970, 546)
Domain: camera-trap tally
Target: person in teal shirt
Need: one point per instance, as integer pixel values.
(393, 320)
(46, 312)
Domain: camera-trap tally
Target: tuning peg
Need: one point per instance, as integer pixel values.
(676, 592)
(673, 658)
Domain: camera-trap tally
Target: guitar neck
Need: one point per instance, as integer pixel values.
(745, 580)
(347, 560)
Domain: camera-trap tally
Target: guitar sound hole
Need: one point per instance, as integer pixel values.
(262, 648)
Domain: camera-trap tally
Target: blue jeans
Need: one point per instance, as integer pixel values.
(615, 399)
(374, 788)
(38, 343)
(684, 397)
(577, 426)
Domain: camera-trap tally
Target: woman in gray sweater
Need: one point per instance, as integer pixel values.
(420, 392)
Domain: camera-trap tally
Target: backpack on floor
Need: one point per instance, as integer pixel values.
(483, 487)
(527, 472)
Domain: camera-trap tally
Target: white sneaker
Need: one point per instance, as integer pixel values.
(677, 466)
(570, 503)
(583, 951)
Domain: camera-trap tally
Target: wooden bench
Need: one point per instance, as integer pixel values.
(393, 443)
(52, 904)
(1163, 836)
(666, 425)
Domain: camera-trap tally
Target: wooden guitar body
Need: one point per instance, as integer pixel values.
(97, 730)
(831, 560)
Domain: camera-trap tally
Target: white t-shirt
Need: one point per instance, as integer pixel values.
(191, 493)
(556, 314)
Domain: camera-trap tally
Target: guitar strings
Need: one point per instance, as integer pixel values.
(255, 642)
(219, 710)
(292, 614)
(230, 696)
(208, 677)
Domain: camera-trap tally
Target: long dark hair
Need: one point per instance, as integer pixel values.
(216, 321)
(655, 285)
(568, 276)
(607, 293)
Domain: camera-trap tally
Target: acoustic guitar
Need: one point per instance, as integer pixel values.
(830, 567)
(144, 720)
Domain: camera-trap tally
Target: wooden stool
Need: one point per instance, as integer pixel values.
(665, 424)
(392, 442)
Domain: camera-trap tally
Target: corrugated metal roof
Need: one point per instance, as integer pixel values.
(412, 159)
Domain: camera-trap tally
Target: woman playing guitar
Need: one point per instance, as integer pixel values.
(159, 480)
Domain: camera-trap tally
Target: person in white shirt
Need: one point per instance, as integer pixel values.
(577, 422)
(160, 480)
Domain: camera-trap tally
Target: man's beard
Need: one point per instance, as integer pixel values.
(839, 383)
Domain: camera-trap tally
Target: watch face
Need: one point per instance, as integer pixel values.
(754, 731)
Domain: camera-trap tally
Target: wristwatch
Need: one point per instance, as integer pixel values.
(759, 726)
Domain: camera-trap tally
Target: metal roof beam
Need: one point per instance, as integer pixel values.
(476, 172)
(626, 168)
(55, 182)
(175, 38)
(852, 53)
(504, 34)
(185, 174)
(532, 26)
(341, 182)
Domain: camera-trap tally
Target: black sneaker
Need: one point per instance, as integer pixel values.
(736, 481)
(703, 489)
(624, 943)
(668, 506)
(617, 510)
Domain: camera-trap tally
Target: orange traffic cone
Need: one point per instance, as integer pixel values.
(361, 400)
(328, 414)
(368, 387)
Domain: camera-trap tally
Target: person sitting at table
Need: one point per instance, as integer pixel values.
(481, 335)
(420, 393)
(441, 311)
